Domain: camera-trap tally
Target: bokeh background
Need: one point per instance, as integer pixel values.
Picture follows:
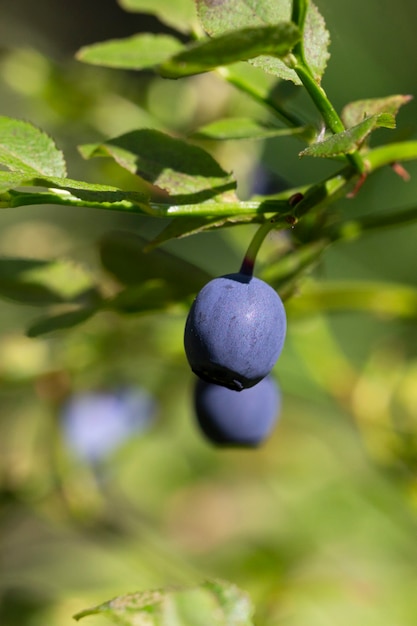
(320, 524)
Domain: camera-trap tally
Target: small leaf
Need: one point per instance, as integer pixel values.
(349, 140)
(238, 45)
(171, 164)
(243, 128)
(180, 14)
(60, 321)
(36, 282)
(354, 112)
(210, 604)
(123, 255)
(133, 53)
(24, 148)
(222, 16)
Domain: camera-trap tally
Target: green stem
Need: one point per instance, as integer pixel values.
(319, 97)
(299, 14)
(278, 204)
(390, 153)
(325, 107)
(224, 209)
(352, 229)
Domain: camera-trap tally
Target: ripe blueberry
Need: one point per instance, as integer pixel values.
(235, 331)
(233, 418)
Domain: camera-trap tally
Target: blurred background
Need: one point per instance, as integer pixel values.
(106, 485)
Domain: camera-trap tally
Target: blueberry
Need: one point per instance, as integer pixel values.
(94, 424)
(237, 418)
(235, 331)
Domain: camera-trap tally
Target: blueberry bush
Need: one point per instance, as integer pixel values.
(208, 357)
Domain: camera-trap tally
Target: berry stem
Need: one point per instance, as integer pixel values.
(249, 259)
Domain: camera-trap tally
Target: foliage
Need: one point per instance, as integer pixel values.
(174, 181)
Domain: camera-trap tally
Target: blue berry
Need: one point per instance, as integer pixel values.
(237, 418)
(235, 331)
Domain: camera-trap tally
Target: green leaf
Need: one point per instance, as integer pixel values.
(61, 321)
(10, 180)
(171, 164)
(354, 112)
(243, 128)
(36, 282)
(239, 45)
(124, 255)
(381, 299)
(210, 604)
(349, 140)
(133, 53)
(180, 14)
(26, 149)
(91, 192)
(70, 192)
(221, 16)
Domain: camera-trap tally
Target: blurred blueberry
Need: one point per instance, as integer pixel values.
(237, 418)
(95, 424)
(266, 183)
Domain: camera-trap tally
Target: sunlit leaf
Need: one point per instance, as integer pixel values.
(355, 112)
(180, 14)
(215, 604)
(238, 45)
(24, 148)
(133, 53)
(349, 140)
(171, 164)
(223, 16)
